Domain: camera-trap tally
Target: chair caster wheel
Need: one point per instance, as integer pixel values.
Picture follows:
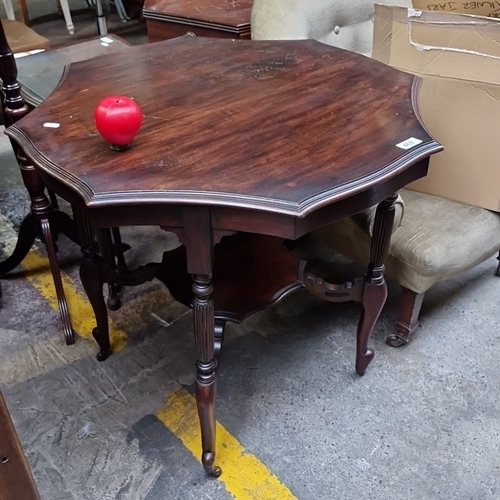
(395, 340)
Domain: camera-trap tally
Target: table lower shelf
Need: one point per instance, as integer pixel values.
(251, 273)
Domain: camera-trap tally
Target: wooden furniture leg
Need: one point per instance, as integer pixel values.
(25, 18)
(16, 480)
(9, 10)
(204, 330)
(105, 243)
(41, 207)
(92, 278)
(102, 27)
(119, 249)
(67, 16)
(375, 290)
(42, 221)
(409, 310)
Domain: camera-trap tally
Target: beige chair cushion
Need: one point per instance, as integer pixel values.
(438, 239)
(347, 24)
(21, 38)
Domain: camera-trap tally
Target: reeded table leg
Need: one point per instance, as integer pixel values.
(69, 336)
(203, 314)
(375, 290)
(43, 221)
(42, 210)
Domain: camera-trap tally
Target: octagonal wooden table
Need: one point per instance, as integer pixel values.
(245, 146)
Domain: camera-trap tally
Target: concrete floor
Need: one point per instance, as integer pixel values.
(421, 424)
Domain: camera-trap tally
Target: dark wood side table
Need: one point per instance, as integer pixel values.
(245, 146)
(16, 480)
(167, 19)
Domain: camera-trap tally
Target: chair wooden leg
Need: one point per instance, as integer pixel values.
(498, 267)
(25, 18)
(9, 10)
(407, 324)
(67, 16)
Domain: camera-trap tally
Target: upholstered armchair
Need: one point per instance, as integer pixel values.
(434, 239)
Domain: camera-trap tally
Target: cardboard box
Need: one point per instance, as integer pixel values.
(458, 58)
(488, 9)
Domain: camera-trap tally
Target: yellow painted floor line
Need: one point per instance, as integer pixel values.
(244, 475)
(80, 311)
(39, 275)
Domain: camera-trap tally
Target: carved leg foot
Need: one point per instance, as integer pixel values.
(28, 232)
(374, 297)
(92, 284)
(208, 459)
(104, 344)
(69, 335)
(498, 267)
(204, 334)
(205, 399)
(409, 309)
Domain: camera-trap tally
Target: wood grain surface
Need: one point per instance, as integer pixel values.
(285, 127)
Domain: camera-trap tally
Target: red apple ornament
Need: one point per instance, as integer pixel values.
(118, 119)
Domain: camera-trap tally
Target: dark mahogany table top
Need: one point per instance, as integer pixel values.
(276, 126)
